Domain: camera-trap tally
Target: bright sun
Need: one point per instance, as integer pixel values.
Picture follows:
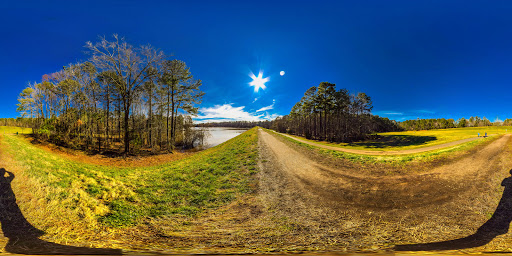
(258, 81)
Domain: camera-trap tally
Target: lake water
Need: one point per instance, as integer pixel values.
(217, 135)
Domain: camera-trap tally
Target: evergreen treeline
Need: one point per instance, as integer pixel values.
(442, 123)
(123, 98)
(325, 113)
(239, 124)
(428, 124)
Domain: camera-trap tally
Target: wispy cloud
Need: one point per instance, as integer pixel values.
(424, 111)
(227, 112)
(395, 113)
(419, 112)
(403, 118)
(269, 107)
(405, 115)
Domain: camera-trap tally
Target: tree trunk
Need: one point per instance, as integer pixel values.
(107, 117)
(126, 130)
(173, 121)
(175, 117)
(119, 119)
(150, 128)
(168, 105)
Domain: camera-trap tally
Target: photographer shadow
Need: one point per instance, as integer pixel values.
(497, 225)
(23, 237)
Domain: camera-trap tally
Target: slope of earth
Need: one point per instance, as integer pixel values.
(298, 200)
(387, 153)
(98, 159)
(67, 202)
(364, 208)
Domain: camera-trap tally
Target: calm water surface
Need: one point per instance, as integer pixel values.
(221, 134)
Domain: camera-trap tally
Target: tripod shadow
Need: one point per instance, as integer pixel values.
(497, 225)
(23, 237)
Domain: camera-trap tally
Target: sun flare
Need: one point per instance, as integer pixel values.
(258, 81)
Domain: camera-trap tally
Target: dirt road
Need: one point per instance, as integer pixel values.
(383, 153)
(449, 201)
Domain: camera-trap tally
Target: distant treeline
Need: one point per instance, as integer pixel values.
(19, 122)
(325, 113)
(123, 97)
(238, 124)
(442, 123)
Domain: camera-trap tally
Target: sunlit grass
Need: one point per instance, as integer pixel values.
(14, 130)
(427, 156)
(122, 197)
(395, 141)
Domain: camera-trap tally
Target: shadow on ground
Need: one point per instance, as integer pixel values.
(23, 237)
(497, 225)
(394, 141)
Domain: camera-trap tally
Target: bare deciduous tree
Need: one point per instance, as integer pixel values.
(130, 66)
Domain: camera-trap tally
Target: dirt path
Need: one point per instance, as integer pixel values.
(375, 211)
(384, 153)
(349, 187)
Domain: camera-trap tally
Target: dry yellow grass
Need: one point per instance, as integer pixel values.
(272, 215)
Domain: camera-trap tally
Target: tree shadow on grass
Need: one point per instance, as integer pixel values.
(394, 141)
(23, 237)
(497, 225)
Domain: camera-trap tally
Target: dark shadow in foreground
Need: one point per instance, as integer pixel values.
(497, 225)
(380, 141)
(23, 237)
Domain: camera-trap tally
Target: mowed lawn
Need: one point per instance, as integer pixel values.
(394, 141)
(14, 130)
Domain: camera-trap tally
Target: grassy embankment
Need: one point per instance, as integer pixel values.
(80, 202)
(439, 136)
(395, 141)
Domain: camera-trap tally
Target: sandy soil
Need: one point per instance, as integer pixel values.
(383, 153)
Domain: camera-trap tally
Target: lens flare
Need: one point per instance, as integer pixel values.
(258, 81)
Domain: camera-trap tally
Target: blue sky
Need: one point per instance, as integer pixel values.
(426, 59)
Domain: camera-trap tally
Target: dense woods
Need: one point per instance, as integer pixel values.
(428, 124)
(18, 122)
(238, 124)
(325, 113)
(441, 123)
(123, 99)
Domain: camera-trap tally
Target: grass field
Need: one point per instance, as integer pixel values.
(204, 201)
(72, 199)
(429, 156)
(394, 141)
(14, 130)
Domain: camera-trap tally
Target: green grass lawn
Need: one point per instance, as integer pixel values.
(393, 141)
(122, 197)
(14, 130)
